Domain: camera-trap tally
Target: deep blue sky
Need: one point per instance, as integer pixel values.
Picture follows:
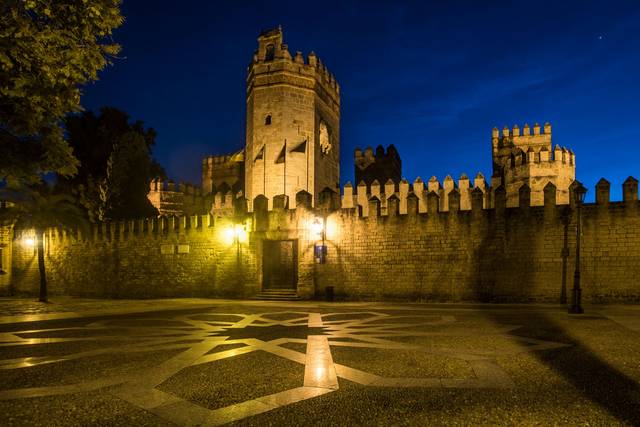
(432, 78)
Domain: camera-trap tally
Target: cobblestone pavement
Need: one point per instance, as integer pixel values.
(211, 362)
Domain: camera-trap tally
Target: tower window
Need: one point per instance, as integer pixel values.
(270, 52)
(267, 120)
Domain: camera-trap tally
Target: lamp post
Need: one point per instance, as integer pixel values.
(238, 235)
(319, 227)
(576, 297)
(566, 218)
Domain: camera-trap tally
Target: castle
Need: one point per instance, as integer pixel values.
(293, 144)
(270, 218)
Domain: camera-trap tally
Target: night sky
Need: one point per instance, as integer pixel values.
(433, 78)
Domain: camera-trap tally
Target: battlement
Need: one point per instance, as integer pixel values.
(381, 165)
(513, 140)
(420, 194)
(170, 186)
(224, 158)
(223, 173)
(516, 136)
(526, 156)
(520, 157)
(402, 198)
(272, 63)
(177, 199)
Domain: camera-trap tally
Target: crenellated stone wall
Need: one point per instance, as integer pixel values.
(497, 254)
(410, 249)
(165, 257)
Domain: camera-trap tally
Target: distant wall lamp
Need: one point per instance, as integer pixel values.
(236, 234)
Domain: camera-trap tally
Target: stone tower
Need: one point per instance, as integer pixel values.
(223, 173)
(380, 166)
(523, 157)
(293, 123)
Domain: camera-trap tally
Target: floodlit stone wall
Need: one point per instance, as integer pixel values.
(497, 254)
(166, 257)
(6, 234)
(488, 252)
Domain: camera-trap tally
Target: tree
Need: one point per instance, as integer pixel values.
(116, 164)
(39, 208)
(48, 49)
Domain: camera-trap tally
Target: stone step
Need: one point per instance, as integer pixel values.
(278, 295)
(279, 291)
(275, 298)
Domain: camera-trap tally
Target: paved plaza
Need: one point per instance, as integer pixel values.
(211, 362)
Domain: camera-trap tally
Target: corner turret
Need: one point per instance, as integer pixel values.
(527, 157)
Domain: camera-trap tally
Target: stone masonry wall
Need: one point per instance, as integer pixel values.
(499, 253)
(170, 257)
(6, 234)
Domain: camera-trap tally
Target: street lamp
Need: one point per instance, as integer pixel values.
(576, 297)
(318, 227)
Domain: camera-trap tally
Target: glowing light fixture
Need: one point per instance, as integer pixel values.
(317, 226)
(236, 234)
(240, 233)
(29, 242)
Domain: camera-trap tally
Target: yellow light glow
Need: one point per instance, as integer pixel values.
(331, 230)
(317, 227)
(29, 242)
(235, 234)
(228, 235)
(240, 233)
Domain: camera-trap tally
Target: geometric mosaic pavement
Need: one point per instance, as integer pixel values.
(306, 338)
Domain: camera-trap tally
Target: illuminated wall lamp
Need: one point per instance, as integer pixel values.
(236, 234)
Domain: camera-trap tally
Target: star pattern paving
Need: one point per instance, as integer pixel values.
(200, 339)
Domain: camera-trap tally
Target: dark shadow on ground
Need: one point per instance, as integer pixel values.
(587, 371)
(596, 379)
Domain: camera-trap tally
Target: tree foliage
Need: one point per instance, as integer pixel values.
(48, 49)
(116, 164)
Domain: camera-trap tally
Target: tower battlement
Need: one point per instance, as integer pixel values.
(223, 173)
(178, 199)
(293, 122)
(272, 63)
(526, 156)
(512, 141)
